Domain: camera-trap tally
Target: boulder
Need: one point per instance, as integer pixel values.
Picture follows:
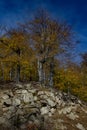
(51, 103)
(50, 94)
(16, 102)
(44, 110)
(65, 110)
(40, 93)
(19, 85)
(7, 102)
(52, 110)
(27, 97)
(80, 126)
(28, 86)
(35, 98)
(18, 91)
(5, 96)
(33, 91)
(72, 116)
(24, 91)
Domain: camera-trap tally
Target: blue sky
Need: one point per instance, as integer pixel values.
(73, 11)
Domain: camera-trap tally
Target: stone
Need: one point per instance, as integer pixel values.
(23, 127)
(52, 110)
(40, 106)
(7, 102)
(16, 102)
(19, 86)
(11, 108)
(28, 86)
(24, 91)
(32, 91)
(63, 104)
(49, 114)
(35, 98)
(60, 94)
(51, 103)
(5, 96)
(25, 98)
(79, 101)
(63, 127)
(44, 110)
(59, 101)
(43, 97)
(28, 97)
(72, 116)
(67, 110)
(80, 126)
(84, 110)
(10, 94)
(43, 103)
(49, 94)
(1, 111)
(19, 112)
(5, 109)
(2, 120)
(18, 91)
(7, 115)
(40, 93)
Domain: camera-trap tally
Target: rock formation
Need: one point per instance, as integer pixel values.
(35, 107)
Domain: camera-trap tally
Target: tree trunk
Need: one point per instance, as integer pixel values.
(51, 73)
(18, 66)
(44, 78)
(40, 72)
(10, 75)
(18, 74)
(51, 79)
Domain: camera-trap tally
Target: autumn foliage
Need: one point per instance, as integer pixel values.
(34, 51)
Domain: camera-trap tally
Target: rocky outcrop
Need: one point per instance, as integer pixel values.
(29, 106)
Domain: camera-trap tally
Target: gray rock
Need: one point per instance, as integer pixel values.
(11, 109)
(32, 91)
(27, 97)
(52, 110)
(24, 91)
(58, 100)
(7, 115)
(16, 102)
(49, 114)
(72, 116)
(28, 86)
(80, 126)
(24, 104)
(50, 94)
(20, 112)
(19, 86)
(79, 101)
(35, 98)
(5, 96)
(7, 102)
(40, 93)
(1, 111)
(44, 110)
(43, 97)
(5, 109)
(2, 120)
(18, 91)
(65, 110)
(51, 103)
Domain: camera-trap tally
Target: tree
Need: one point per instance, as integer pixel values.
(49, 38)
(15, 50)
(84, 68)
